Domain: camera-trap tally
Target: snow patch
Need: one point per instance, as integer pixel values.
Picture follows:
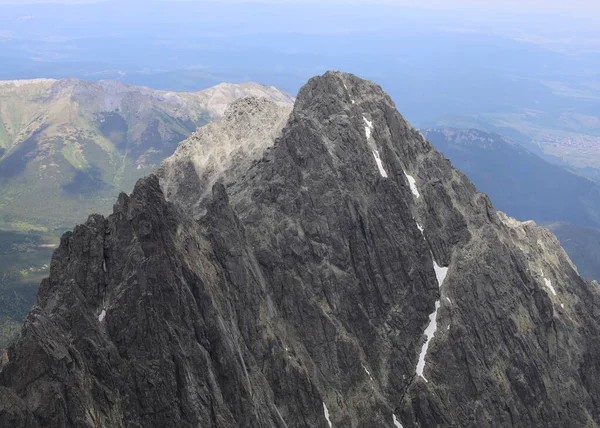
(549, 285)
(413, 185)
(397, 423)
(326, 411)
(448, 299)
(379, 164)
(368, 373)
(421, 229)
(562, 305)
(429, 333)
(368, 128)
(353, 102)
(102, 315)
(440, 272)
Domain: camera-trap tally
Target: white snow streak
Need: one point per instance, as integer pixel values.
(368, 128)
(327, 414)
(102, 315)
(368, 373)
(549, 285)
(440, 272)
(352, 101)
(421, 229)
(379, 164)
(413, 185)
(397, 423)
(429, 332)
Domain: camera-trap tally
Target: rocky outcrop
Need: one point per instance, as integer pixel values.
(348, 277)
(249, 126)
(528, 188)
(218, 98)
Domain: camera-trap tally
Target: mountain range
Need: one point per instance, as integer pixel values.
(68, 146)
(340, 273)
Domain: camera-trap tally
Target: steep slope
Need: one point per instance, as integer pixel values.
(69, 145)
(249, 126)
(519, 182)
(350, 277)
(529, 188)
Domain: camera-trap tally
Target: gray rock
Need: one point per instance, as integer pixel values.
(249, 126)
(303, 281)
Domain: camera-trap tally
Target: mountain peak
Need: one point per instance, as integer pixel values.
(216, 151)
(218, 98)
(336, 91)
(322, 267)
(247, 106)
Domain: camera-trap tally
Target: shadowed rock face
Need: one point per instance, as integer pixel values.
(302, 290)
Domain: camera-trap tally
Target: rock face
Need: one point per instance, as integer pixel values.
(349, 277)
(218, 98)
(529, 188)
(249, 126)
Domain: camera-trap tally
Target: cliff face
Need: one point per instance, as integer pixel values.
(347, 277)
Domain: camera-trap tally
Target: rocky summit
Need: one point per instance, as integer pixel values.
(338, 272)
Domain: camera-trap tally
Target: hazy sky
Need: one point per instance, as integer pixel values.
(539, 6)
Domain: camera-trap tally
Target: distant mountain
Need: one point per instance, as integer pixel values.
(68, 146)
(529, 188)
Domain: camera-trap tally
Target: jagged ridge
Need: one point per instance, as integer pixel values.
(305, 293)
